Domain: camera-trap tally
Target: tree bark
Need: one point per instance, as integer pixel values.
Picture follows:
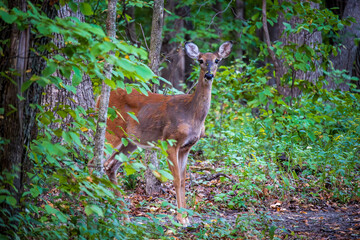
(239, 15)
(105, 94)
(156, 35)
(55, 97)
(12, 155)
(346, 57)
(304, 38)
(17, 122)
(19, 126)
(301, 38)
(152, 183)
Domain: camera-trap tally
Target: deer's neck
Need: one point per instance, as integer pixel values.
(201, 98)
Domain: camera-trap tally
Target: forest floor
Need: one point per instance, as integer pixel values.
(295, 217)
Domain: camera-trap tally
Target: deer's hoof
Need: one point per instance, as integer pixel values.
(184, 221)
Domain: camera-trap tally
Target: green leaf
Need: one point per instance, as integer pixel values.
(66, 136)
(35, 191)
(11, 201)
(75, 138)
(311, 135)
(164, 145)
(50, 69)
(124, 141)
(110, 83)
(70, 88)
(132, 115)
(77, 78)
(85, 9)
(90, 209)
(137, 166)
(128, 89)
(129, 170)
(7, 17)
(144, 72)
(166, 174)
(26, 85)
(43, 29)
(143, 91)
(73, 6)
(61, 216)
(50, 210)
(287, 26)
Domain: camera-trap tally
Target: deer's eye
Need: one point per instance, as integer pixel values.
(217, 60)
(201, 61)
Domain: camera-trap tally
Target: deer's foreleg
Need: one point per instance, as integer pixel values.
(176, 169)
(183, 157)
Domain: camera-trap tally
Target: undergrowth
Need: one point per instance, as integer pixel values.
(309, 148)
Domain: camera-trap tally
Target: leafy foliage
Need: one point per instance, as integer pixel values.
(272, 145)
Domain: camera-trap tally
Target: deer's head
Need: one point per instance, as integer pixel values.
(208, 61)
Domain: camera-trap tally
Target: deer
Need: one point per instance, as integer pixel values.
(163, 117)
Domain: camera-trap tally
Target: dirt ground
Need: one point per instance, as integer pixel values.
(294, 218)
(292, 221)
(341, 223)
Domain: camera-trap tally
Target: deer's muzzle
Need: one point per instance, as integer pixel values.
(209, 76)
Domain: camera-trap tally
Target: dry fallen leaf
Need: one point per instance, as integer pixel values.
(276, 205)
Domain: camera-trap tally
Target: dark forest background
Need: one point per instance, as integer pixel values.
(284, 124)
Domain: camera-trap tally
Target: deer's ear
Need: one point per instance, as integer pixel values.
(225, 49)
(192, 50)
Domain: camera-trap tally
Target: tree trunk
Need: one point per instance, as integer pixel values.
(301, 38)
(239, 15)
(174, 53)
(156, 35)
(12, 155)
(345, 59)
(274, 59)
(130, 26)
(304, 38)
(17, 122)
(55, 97)
(152, 183)
(105, 94)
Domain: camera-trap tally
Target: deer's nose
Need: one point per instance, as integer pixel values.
(209, 76)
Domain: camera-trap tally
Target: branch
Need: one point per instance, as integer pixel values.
(212, 20)
(142, 30)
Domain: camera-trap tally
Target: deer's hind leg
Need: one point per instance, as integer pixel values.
(111, 165)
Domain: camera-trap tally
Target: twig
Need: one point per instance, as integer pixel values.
(201, 7)
(169, 54)
(194, 84)
(292, 84)
(212, 20)
(96, 7)
(212, 177)
(142, 30)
